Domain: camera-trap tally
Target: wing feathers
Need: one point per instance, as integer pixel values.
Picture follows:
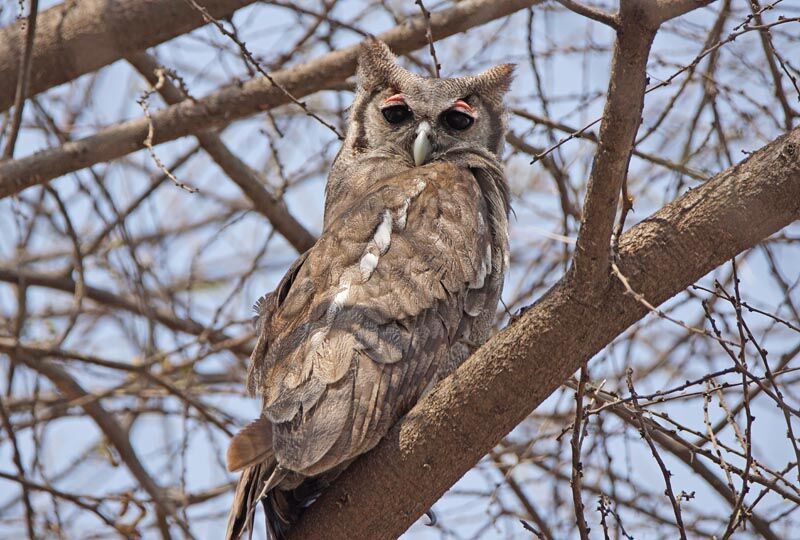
(359, 328)
(303, 442)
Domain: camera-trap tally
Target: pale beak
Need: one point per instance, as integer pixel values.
(422, 144)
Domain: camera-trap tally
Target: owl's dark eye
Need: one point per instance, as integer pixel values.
(457, 120)
(396, 114)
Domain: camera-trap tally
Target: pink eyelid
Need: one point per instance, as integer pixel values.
(463, 105)
(395, 100)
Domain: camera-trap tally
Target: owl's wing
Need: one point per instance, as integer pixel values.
(356, 330)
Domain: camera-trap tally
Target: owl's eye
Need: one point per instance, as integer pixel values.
(457, 120)
(396, 114)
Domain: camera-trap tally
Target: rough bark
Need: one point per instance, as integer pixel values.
(74, 38)
(621, 118)
(449, 431)
(232, 103)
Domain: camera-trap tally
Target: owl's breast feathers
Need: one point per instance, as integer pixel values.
(368, 318)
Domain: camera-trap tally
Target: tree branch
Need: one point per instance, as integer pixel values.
(23, 80)
(107, 298)
(590, 136)
(621, 118)
(466, 415)
(249, 181)
(595, 14)
(683, 450)
(232, 103)
(117, 436)
(74, 38)
(665, 10)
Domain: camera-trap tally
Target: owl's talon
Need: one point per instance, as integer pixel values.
(433, 520)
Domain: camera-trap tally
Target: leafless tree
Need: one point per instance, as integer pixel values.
(162, 163)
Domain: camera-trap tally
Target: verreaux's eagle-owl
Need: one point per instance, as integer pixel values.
(400, 288)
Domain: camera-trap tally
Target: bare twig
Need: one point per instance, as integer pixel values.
(591, 13)
(577, 466)
(23, 79)
(437, 67)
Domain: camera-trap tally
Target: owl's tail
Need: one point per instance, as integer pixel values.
(282, 508)
(251, 452)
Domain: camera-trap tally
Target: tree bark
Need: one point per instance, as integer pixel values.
(468, 413)
(74, 38)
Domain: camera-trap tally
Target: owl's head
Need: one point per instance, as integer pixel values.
(397, 113)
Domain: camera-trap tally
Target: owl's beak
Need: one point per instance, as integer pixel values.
(422, 144)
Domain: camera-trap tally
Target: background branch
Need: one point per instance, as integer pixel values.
(226, 105)
(75, 38)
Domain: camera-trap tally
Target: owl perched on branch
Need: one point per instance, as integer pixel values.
(401, 287)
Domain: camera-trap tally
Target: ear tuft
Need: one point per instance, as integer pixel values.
(494, 82)
(377, 66)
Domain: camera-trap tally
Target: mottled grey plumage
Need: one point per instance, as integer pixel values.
(400, 288)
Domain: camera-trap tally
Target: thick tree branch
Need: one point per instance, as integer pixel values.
(232, 103)
(467, 414)
(621, 118)
(638, 22)
(74, 38)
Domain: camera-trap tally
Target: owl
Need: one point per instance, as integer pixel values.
(400, 288)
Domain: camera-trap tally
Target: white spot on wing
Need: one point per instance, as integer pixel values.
(338, 301)
(483, 271)
(367, 265)
(479, 278)
(317, 338)
(383, 235)
(341, 296)
(481, 223)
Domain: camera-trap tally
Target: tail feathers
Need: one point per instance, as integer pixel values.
(251, 446)
(244, 503)
(282, 508)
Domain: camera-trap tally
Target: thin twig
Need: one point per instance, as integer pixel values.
(22, 81)
(644, 430)
(577, 466)
(437, 67)
(257, 66)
